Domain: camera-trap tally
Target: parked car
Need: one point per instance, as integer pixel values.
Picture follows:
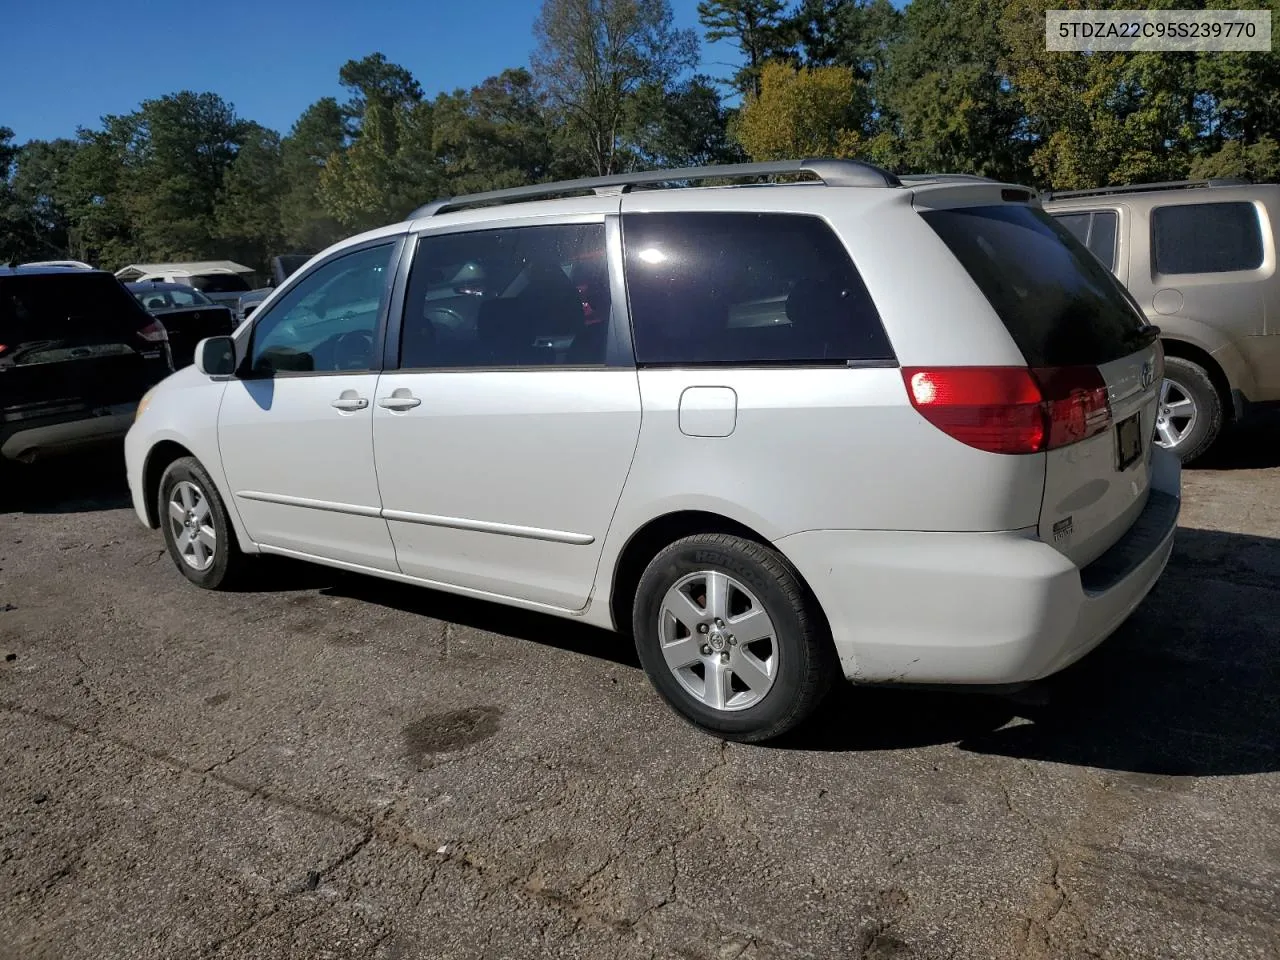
(76, 355)
(1200, 258)
(899, 432)
(187, 314)
(282, 267)
(222, 281)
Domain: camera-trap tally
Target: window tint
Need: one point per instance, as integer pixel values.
(520, 297)
(1206, 238)
(746, 288)
(1102, 237)
(66, 305)
(220, 282)
(1077, 223)
(326, 322)
(1060, 305)
(1096, 230)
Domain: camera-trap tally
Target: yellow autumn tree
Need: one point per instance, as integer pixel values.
(810, 112)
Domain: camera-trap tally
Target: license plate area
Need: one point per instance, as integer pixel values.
(1128, 441)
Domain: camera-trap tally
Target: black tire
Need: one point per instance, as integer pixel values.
(806, 666)
(228, 560)
(1194, 381)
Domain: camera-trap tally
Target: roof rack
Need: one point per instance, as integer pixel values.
(927, 177)
(833, 173)
(1146, 187)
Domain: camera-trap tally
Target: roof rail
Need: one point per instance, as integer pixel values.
(928, 177)
(833, 173)
(1146, 187)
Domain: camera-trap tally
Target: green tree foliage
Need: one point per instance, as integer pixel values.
(946, 104)
(386, 172)
(808, 112)
(756, 27)
(249, 204)
(593, 56)
(685, 125)
(494, 135)
(319, 134)
(375, 80)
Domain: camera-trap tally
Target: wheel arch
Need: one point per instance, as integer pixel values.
(158, 459)
(662, 531)
(1185, 350)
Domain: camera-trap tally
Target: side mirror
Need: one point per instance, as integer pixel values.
(216, 356)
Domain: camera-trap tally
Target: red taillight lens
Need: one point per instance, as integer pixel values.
(1011, 409)
(154, 332)
(1076, 398)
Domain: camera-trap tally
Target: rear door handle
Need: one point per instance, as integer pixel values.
(349, 401)
(400, 399)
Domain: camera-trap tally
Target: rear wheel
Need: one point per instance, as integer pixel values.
(730, 637)
(1189, 417)
(196, 529)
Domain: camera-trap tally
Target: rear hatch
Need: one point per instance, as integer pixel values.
(1095, 360)
(187, 326)
(74, 341)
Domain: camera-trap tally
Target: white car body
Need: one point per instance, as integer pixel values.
(932, 561)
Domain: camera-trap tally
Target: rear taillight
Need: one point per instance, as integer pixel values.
(153, 332)
(1011, 409)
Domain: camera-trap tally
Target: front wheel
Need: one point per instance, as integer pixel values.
(730, 637)
(1189, 417)
(197, 532)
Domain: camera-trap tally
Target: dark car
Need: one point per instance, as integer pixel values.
(281, 268)
(187, 314)
(77, 353)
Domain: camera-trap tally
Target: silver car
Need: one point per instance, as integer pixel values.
(1200, 258)
(864, 428)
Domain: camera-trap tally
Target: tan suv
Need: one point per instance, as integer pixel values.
(1200, 258)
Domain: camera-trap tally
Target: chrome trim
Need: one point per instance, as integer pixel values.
(352, 508)
(426, 519)
(486, 526)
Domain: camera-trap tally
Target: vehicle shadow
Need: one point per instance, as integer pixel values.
(75, 483)
(1253, 444)
(1189, 686)
(544, 629)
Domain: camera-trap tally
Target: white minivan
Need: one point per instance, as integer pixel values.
(896, 430)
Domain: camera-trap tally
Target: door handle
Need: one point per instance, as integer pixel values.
(348, 403)
(400, 399)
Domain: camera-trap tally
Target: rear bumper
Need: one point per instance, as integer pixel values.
(33, 440)
(979, 608)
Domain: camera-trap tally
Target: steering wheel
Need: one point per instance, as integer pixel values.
(353, 350)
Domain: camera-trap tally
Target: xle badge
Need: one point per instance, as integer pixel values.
(1061, 530)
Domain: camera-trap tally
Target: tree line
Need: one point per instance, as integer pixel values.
(939, 85)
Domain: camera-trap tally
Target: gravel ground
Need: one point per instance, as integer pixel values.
(332, 766)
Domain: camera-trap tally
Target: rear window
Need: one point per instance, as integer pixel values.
(81, 306)
(742, 288)
(220, 283)
(1206, 238)
(1061, 306)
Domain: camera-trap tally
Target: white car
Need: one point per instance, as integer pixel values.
(895, 430)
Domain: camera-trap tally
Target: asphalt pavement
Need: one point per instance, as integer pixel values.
(328, 766)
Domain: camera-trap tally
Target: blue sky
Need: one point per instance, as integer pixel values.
(68, 62)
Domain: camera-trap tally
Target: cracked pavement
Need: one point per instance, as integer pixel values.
(331, 767)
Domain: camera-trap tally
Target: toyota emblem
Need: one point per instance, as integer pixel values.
(1148, 374)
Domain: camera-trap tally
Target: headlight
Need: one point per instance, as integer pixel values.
(142, 404)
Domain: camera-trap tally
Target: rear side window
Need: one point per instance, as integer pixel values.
(744, 288)
(1206, 238)
(1096, 230)
(534, 296)
(1060, 305)
(220, 283)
